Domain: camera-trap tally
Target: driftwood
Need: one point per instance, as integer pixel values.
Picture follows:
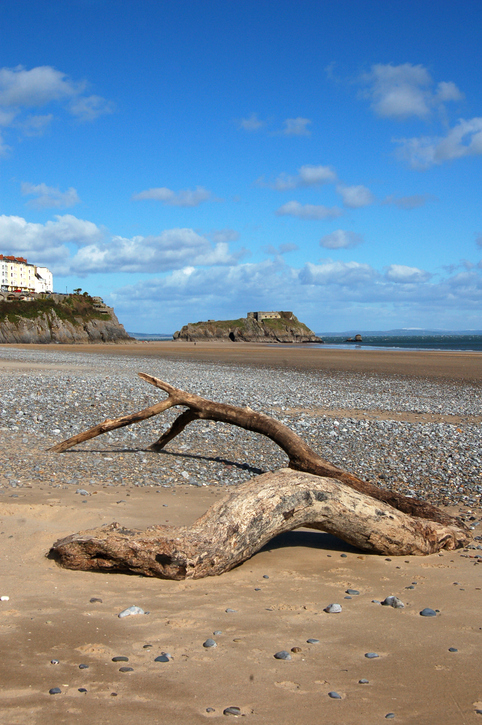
(329, 499)
(236, 527)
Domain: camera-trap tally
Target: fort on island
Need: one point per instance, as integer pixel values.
(258, 326)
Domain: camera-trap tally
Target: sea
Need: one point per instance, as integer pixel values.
(463, 343)
(466, 342)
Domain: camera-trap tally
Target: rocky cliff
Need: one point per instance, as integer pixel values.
(61, 319)
(286, 329)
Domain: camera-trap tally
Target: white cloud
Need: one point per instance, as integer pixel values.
(252, 123)
(185, 197)
(337, 273)
(279, 251)
(308, 211)
(88, 108)
(409, 202)
(401, 91)
(341, 239)
(399, 273)
(355, 197)
(464, 139)
(224, 235)
(48, 196)
(296, 127)
(307, 176)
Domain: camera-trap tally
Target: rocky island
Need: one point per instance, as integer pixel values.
(58, 318)
(272, 327)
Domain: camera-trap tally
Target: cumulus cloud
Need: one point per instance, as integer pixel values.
(279, 251)
(22, 89)
(401, 91)
(308, 211)
(185, 197)
(337, 273)
(296, 127)
(341, 239)
(224, 235)
(49, 196)
(308, 175)
(464, 139)
(251, 123)
(409, 202)
(399, 273)
(355, 197)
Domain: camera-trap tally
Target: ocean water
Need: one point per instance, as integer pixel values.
(409, 342)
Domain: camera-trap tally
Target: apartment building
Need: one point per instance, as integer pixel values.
(17, 274)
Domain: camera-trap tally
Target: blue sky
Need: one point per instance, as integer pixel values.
(198, 159)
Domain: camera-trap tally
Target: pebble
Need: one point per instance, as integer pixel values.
(54, 662)
(4, 598)
(55, 691)
(162, 658)
(371, 655)
(427, 612)
(363, 681)
(352, 592)
(82, 689)
(296, 650)
(394, 602)
(313, 641)
(120, 658)
(210, 709)
(130, 611)
(334, 695)
(82, 492)
(217, 632)
(333, 609)
(83, 667)
(389, 716)
(209, 643)
(95, 599)
(126, 669)
(230, 610)
(232, 711)
(282, 655)
(453, 649)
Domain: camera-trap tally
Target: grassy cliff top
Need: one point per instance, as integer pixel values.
(70, 310)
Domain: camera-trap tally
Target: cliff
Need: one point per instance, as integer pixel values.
(286, 329)
(61, 319)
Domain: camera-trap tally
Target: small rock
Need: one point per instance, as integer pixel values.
(333, 608)
(427, 612)
(282, 655)
(453, 649)
(126, 669)
(83, 667)
(54, 662)
(394, 602)
(389, 716)
(120, 658)
(95, 599)
(352, 592)
(334, 695)
(55, 691)
(217, 632)
(82, 492)
(313, 641)
(162, 658)
(363, 681)
(296, 650)
(232, 711)
(82, 689)
(210, 709)
(230, 610)
(209, 643)
(265, 576)
(371, 655)
(130, 611)
(4, 599)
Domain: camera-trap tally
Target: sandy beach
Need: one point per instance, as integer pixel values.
(61, 629)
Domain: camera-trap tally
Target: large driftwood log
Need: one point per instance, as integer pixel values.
(301, 456)
(236, 527)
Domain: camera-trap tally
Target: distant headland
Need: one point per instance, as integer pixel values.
(271, 327)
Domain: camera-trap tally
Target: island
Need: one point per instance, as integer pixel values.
(267, 327)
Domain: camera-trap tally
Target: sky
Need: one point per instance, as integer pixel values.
(200, 159)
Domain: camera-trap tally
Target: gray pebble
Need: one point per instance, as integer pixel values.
(82, 492)
(230, 610)
(210, 709)
(352, 592)
(217, 632)
(389, 716)
(232, 711)
(162, 658)
(334, 695)
(333, 609)
(427, 612)
(120, 658)
(126, 669)
(265, 576)
(371, 655)
(313, 641)
(394, 602)
(363, 681)
(95, 599)
(453, 649)
(209, 643)
(83, 667)
(54, 662)
(82, 689)
(282, 655)
(55, 691)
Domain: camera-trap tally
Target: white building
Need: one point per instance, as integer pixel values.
(17, 274)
